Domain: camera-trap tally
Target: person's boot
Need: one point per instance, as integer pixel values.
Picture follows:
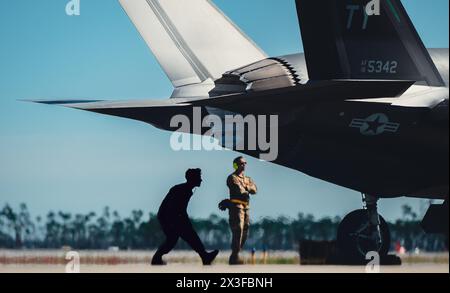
(158, 261)
(209, 257)
(236, 260)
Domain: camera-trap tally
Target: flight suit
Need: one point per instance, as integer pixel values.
(239, 211)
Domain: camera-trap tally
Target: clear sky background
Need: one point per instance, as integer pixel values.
(54, 158)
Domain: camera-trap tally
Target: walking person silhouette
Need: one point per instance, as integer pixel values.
(175, 221)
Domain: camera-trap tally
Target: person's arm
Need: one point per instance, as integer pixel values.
(251, 186)
(236, 187)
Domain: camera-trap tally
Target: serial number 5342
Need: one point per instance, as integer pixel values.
(378, 66)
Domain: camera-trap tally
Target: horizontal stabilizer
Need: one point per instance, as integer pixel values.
(159, 112)
(62, 102)
(155, 112)
(278, 100)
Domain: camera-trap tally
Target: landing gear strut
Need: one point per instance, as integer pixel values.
(363, 231)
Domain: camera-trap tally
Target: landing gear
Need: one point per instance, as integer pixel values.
(363, 231)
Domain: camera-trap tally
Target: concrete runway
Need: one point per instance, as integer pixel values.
(220, 268)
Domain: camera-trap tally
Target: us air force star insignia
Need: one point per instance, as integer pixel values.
(375, 125)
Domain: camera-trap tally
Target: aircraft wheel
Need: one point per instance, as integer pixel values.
(356, 237)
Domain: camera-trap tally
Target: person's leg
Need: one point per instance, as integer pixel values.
(188, 234)
(246, 213)
(168, 244)
(236, 221)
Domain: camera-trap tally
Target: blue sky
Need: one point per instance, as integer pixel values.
(57, 158)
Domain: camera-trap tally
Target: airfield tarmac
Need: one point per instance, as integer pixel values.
(54, 261)
(220, 268)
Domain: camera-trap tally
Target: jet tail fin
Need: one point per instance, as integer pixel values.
(192, 40)
(341, 41)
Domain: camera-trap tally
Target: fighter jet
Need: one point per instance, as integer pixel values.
(364, 107)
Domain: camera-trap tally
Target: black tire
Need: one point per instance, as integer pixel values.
(353, 248)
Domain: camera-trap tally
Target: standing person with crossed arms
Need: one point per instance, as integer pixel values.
(241, 187)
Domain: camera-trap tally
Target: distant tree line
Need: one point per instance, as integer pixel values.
(108, 229)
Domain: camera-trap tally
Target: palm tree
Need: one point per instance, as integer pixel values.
(52, 228)
(5, 239)
(13, 224)
(65, 227)
(117, 231)
(27, 226)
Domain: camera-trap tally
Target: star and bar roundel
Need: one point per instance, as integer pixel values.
(374, 125)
